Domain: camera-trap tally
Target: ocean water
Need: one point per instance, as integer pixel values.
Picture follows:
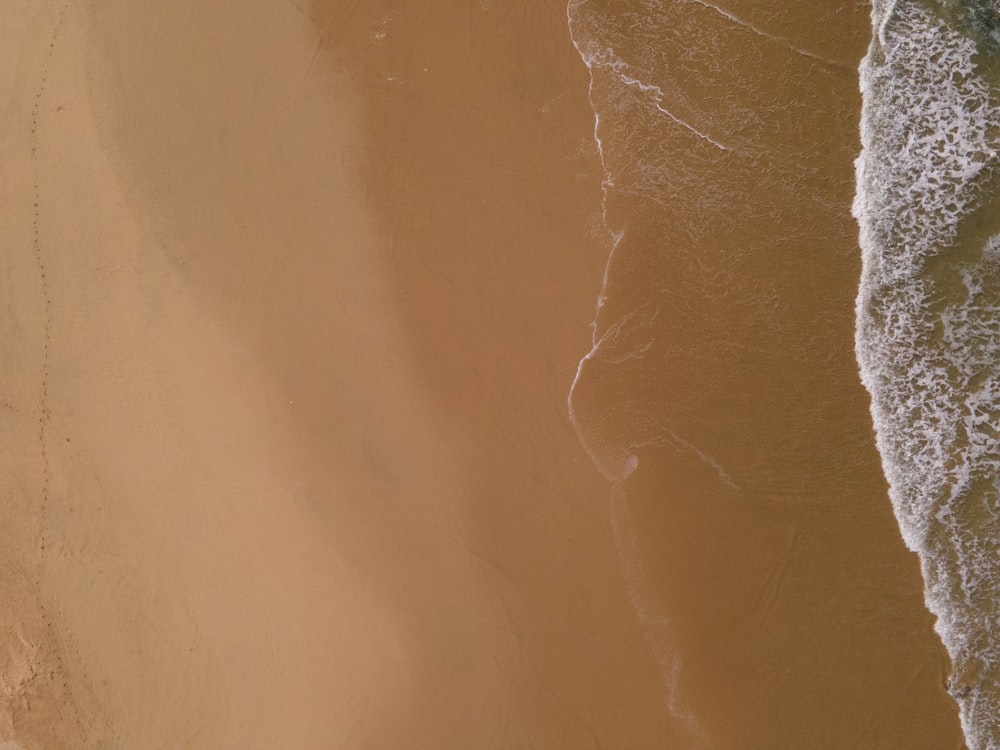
(928, 316)
(679, 96)
(726, 347)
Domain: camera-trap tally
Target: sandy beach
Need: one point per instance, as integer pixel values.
(301, 469)
(293, 295)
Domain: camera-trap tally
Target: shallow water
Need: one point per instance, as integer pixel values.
(722, 395)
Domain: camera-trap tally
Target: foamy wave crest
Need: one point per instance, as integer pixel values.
(927, 119)
(928, 327)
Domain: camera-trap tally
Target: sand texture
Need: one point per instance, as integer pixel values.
(292, 295)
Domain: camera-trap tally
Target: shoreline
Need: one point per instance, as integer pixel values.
(722, 388)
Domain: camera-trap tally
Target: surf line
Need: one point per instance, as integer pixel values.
(617, 66)
(776, 39)
(657, 92)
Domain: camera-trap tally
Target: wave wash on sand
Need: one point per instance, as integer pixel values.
(928, 317)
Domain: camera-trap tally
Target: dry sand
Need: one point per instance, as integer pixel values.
(286, 460)
(280, 469)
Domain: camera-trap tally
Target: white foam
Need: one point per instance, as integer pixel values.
(925, 132)
(928, 338)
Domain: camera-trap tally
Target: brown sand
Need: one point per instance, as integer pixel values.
(286, 456)
(287, 470)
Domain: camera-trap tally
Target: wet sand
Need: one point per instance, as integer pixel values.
(287, 354)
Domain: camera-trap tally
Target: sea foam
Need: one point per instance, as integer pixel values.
(928, 323)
